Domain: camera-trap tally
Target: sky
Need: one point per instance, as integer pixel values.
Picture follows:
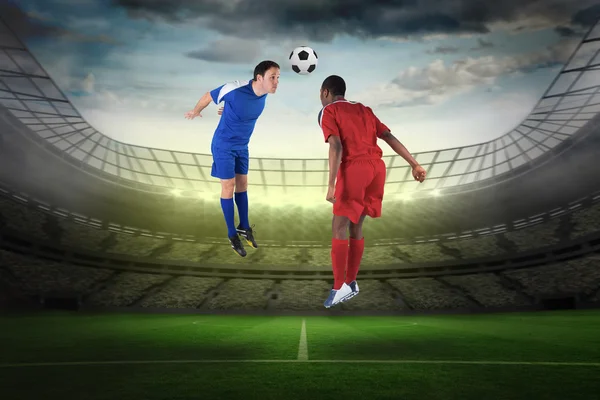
(439, 73)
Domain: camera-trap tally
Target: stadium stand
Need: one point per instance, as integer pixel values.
(105, 288)
(70, 231)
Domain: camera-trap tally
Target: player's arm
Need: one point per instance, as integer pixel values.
(335, 157)
(419, 172)
(399, 148)
(203, 103)
(384, 133)
(331, 134)
(205, 100)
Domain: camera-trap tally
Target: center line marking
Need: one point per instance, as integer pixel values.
(303, 347)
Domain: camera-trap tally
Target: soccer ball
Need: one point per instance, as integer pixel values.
(304, 60)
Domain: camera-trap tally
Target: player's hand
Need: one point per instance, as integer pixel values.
(220, 111)
(419, 173)
(331, 194)
(192, 114)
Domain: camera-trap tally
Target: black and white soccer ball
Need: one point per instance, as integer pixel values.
(304, 60)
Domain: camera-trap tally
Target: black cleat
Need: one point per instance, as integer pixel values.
(248, 234)
(236, 245)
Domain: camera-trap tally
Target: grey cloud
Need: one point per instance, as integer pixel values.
(439, 81)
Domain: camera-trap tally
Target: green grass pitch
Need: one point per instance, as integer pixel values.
(64, 355)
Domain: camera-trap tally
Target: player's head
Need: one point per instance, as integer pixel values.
(266, 74)
(332, 87)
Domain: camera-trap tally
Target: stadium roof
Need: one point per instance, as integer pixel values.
(30, 95)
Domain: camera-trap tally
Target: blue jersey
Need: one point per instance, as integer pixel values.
(242, 109)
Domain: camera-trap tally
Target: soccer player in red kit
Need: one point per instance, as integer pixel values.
(356, 179)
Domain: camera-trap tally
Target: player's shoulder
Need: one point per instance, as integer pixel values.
(238, 88)
(358, 104)
(333, 108)
(349, 107)
(236, 84)
(343, 104)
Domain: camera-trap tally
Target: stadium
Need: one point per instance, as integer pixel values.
(116, 246)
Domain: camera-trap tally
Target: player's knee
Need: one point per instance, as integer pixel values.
(356, 229)
(339, 227)
(340, 233)
(227, 186)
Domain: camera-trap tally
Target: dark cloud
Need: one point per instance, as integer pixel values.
(31, 27)
(482, 45)
(322, 20)
(444, 50)
(234, 51)
(23, 25)
(587, 16)
(565, 31)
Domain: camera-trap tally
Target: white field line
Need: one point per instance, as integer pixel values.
(442, 362)
(303, 346)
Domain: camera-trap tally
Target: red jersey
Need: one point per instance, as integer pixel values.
(357, 127)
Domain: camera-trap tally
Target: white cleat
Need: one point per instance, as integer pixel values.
(337, 296)
(354, 287)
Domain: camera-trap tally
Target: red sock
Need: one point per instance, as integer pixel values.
(339, 259)
(355, 253)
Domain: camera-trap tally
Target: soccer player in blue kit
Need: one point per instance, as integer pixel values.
(244, 103)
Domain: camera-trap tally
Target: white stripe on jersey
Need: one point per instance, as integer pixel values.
(228, 87)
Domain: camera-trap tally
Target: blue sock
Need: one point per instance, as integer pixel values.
(229, 213)
(241, 199)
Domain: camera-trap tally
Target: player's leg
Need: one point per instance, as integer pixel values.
(339, 259)
(373, 197)
(345, 209)
(375, 190)
(355, 253)
(223, 167)
(241, 196)
(356, 229)
(339, 249)
(241, 199)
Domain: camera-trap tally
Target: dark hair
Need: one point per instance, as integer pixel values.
(335, 84)
(263, 67)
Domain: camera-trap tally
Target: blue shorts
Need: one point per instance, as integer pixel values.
(227, 163)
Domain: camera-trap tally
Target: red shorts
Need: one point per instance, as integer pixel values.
(359, 189)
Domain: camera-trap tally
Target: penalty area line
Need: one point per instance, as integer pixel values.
(439, 362)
